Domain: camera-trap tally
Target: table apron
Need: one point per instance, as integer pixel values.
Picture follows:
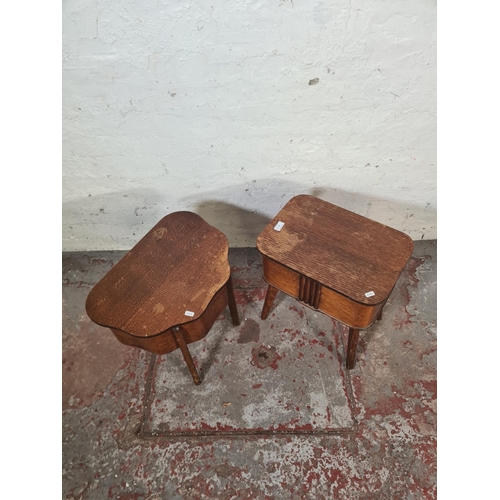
(319, 297)
(193, 331)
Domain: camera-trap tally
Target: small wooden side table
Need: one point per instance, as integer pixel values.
(334, 261)
(169, 289)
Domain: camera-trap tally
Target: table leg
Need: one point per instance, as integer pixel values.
(351, 348)
(232, 302)
(379, 317)
(179, 339)
(270, 296)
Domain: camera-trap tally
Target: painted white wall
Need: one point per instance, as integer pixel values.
(212, 107)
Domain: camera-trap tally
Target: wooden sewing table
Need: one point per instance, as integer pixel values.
(334, 261)
(169, 289)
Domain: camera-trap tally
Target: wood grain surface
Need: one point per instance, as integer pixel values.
(193, 331)
(330, 302)
(348, 253)
(178, 266)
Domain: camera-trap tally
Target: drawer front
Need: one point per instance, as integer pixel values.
(316, 296)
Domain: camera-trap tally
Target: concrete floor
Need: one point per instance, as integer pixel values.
(277, 415)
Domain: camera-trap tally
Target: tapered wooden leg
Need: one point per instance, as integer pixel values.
(351, 348)
(232, 302)
(270, 296)
(179, 339)
(379, 317)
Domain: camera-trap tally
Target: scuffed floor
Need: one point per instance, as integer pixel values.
(384, 409)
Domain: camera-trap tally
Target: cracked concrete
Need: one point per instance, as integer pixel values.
(390, 454)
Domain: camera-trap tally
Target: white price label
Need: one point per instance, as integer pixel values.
(370, 294)
(278, 226)
(189, 313)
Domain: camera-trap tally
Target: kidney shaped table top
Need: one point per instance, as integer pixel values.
(168, 290)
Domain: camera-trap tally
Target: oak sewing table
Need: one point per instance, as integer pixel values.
(332, 260)
(169, 289)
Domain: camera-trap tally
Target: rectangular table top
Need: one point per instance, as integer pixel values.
(351, 254)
